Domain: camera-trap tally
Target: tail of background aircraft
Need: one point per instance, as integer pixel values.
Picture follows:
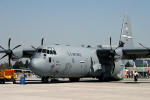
(126, 39)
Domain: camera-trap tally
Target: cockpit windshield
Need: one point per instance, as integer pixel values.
(44, 51)
(50, 51)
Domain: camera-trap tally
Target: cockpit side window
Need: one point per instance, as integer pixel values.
(54, 52)
(39, 50)
(51, 52)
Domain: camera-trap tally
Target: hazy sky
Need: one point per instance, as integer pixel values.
(72, 22)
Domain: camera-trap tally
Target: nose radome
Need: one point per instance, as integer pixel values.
(34, 64)
(37, 66)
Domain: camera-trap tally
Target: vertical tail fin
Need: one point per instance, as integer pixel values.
(126, 39)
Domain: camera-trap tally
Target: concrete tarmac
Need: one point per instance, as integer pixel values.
(86, 89)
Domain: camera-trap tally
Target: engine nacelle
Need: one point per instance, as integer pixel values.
(119, 53)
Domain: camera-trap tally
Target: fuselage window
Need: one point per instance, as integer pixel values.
(44, 51)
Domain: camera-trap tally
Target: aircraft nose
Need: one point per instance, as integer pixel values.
(37, 66)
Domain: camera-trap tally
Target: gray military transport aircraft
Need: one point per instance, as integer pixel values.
(60, 61)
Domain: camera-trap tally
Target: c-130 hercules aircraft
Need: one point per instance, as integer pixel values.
(59, 61)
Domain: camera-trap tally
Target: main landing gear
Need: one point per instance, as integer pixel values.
(74, 79)
(46, 80)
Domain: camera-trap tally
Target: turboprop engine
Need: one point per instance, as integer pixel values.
(107, 58)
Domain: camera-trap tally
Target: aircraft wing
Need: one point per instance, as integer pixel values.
(28, 53)
(131, 53)
(136, 53)
(125, 53)
(23, 53)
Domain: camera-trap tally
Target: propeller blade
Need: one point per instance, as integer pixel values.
(110, 43)
(2, 47)
(9, 58)
(33, 47)
(3, 56)
(16, 47)
(42, 41)
(9, 43)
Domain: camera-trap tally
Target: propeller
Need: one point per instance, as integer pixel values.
(42, 42)
(9, 52)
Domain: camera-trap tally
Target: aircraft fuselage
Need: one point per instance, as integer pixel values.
(66, 62)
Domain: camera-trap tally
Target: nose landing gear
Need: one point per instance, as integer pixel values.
(44, 79)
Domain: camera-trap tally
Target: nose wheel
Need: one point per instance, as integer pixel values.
(44, 79)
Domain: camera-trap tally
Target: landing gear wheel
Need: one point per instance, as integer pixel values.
(44, 79)
(14, 81)
(2, 81)
(74, 79)
(54, 80)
